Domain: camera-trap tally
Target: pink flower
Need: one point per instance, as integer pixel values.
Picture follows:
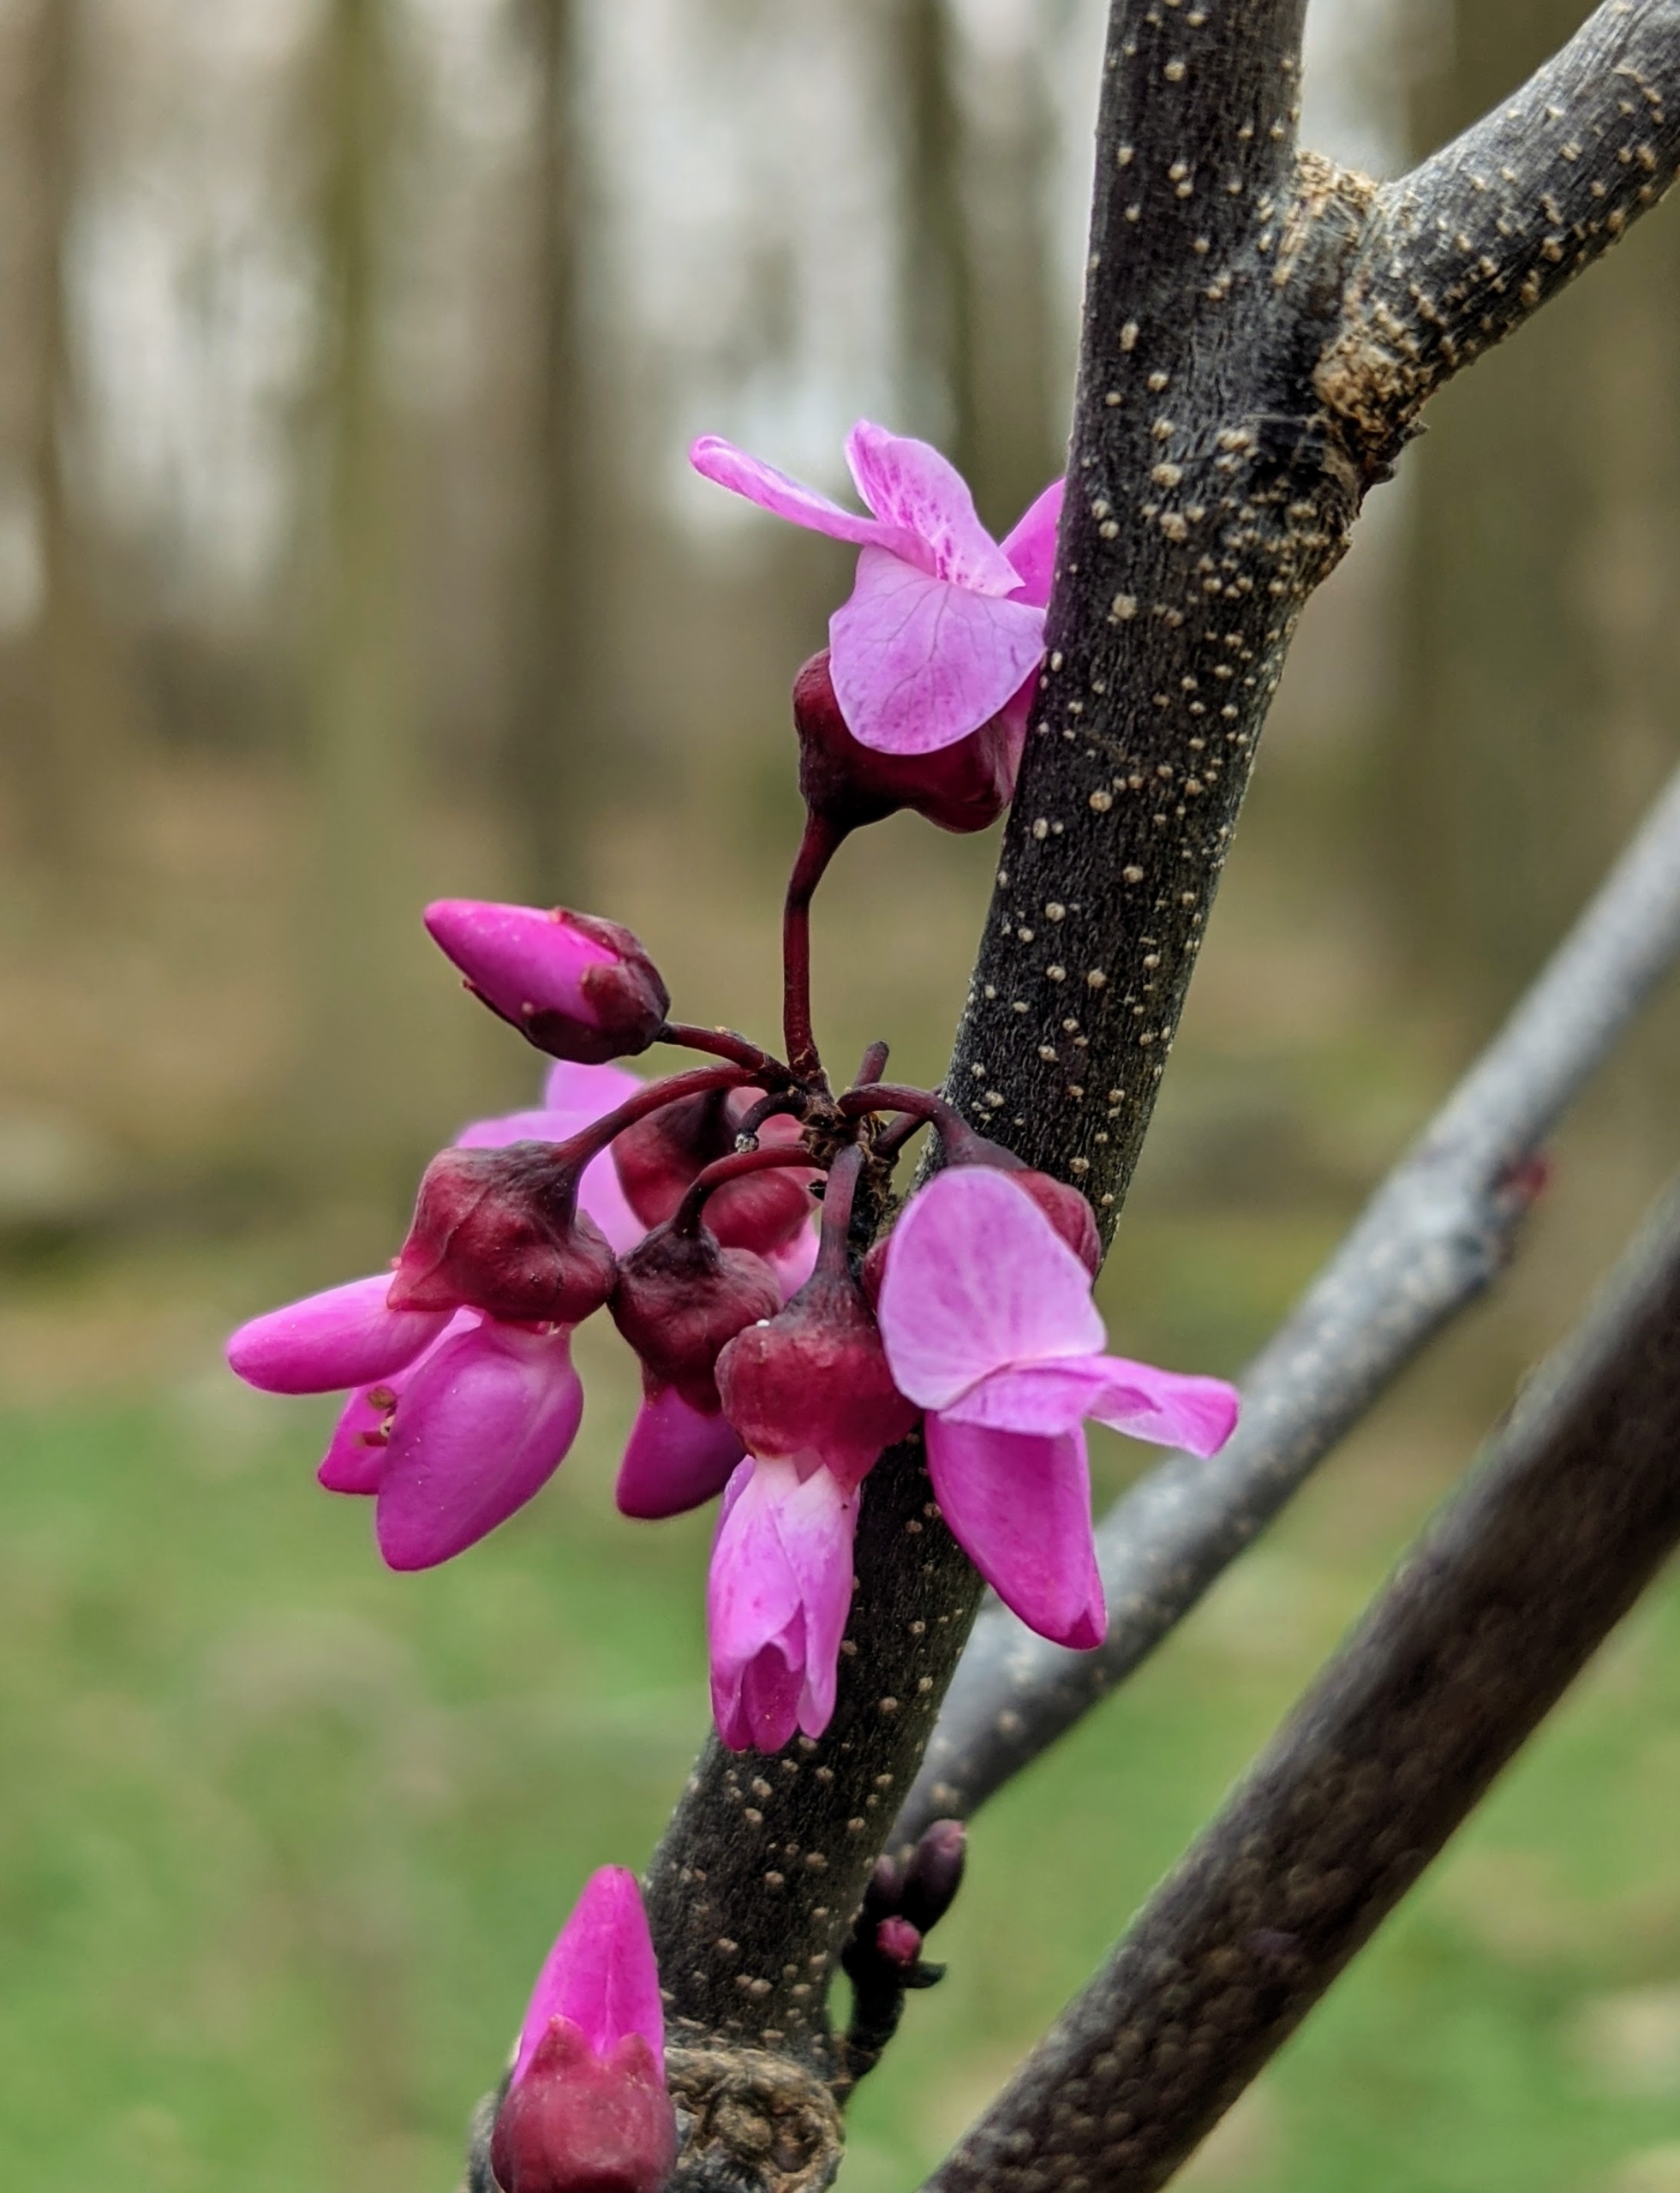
(989, 1324)
(574, 985)
(944, 627)
(776, 1603)
(345, 1336)
(586, 2110)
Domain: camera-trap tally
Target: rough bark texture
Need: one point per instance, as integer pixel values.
(1493, 1614)
(1433, 1236)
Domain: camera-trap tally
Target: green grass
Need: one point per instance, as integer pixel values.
(282, 1839)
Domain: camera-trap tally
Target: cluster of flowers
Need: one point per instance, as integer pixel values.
(780, 1358)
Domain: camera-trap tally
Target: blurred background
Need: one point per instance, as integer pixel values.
(349, 557)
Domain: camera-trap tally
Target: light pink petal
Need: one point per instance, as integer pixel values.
(909, 484)
(484, 1425)
(978, 1281)
(777, 1596)
(601, 1974)
(1019, 1507)
(345, 1336)
(1197, 1415)
(589, 1091)
(720, 461)
(763, 1711)
(678, 1458)
(794, 1262)
(1031, 548)
(818, 1526)
(919, 663)
(1052, 1399)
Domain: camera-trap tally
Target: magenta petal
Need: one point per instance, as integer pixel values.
(909, 484)
(517, 957)
(919, 663)
(1172, 1410)
(780, 1586)
(1050, 1399)
(484, 1425)
(1019, 1507)
(345, 1336)
(720, 461)
(978, 1279)
(678, 1458)
(1031, 548)
(357, 1455)
(794, 1262)
(601, 1974)
(592, 1092)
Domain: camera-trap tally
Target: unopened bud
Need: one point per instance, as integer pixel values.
(899, 1942)
(575, 2122)
(576, 986)
(962, 787)
(658, 1158)
(813, 1383)
(499, 1230)
(934, 1874)
(681, 1297)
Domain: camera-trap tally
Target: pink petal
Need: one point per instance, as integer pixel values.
(1019, 1507)
(780, 1586)
(601, 1974)
(518, 956)
(345, 1336)
(919, 663)
(355, 1457)
(1050, 1399)
(678, 1458)
(794, 1262)
(720, 461)
(978, 1281)
(590, 1091)
(1197, 1415)
(909, 484)
(484, 1426)
(1031, 548)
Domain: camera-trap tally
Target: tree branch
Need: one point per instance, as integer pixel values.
(1460, 252)
(1572, 1511)
(1435, 1234)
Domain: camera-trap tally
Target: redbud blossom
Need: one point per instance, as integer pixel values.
(576, 986)
(944, 629)
(347, 1336)
(962, 787)
(499, 1230)
(586, 2110)
(989, 1324)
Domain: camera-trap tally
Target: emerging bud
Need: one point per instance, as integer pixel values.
(499, 1230)
(899, 1942)
(962, 787)
(812, 1386)
(576, 986)
(586, 2110)
(659, 1157)
(681, 1297)
(934, 1874)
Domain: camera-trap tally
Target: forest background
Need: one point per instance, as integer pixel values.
(349, 557)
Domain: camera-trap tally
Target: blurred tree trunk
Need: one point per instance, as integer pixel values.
(1538, 697)
(73, 746)
(361, 946)
(978, 304)
(557, 690)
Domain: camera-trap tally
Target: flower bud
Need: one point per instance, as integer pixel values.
(576, 986)
(812, 1385)
(659, 1157)
(934, 1874)
(499, 1230)
(899, 1942)
(962, 787)
(682, 1297)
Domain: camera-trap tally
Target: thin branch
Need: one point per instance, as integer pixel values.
(1437, 1231)
(1460, 252)
(1492, 1616)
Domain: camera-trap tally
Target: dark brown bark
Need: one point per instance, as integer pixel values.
(1488, 1620)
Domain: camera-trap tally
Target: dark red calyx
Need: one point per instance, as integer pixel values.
(813, 1383)
(681, 1298)
(579, 2122)
(499, 1230)
(964, 786)
(658, 1158)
